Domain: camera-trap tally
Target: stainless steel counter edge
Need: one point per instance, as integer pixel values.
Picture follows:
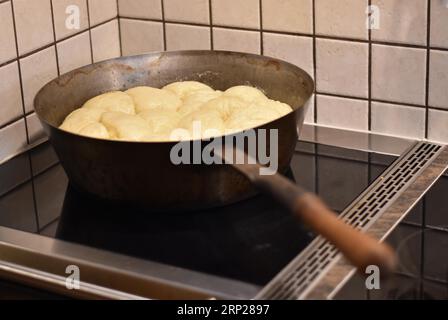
(42, 262)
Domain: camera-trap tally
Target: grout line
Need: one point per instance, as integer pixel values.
(260, 9)
(90, 31)
(54, 38)
(20, 74)
(319, 36)
(369, 107)
(314, 60)
(54, 43)
(163, 24)
(428, 67)
(119, 29)
(210, 13)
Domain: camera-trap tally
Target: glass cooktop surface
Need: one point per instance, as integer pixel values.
(250, 241)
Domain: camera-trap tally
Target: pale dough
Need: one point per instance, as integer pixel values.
(189, 107)
(125, 126)
(112, 101)
(246, 93)
(162, 122)
(147, 98)
(184, 88)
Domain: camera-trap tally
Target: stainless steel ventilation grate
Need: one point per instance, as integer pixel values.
(303, 271)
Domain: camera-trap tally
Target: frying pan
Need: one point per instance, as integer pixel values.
(142, 173)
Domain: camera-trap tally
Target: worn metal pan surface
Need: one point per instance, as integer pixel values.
(142, 173)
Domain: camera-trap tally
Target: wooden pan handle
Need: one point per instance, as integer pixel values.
(360, 249)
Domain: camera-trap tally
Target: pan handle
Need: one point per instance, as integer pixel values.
(359, 248)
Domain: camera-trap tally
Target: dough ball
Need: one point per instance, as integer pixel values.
(125, 127)
(112, 101)
(162, 121)
(184, 88)
(147, 98)
(225, 105)
(280, 107)
(196, 99)
(246, 93)
(80, 118)
(210, 121)
(250, 117)
(95, 130)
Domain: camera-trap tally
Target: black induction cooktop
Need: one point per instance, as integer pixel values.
(250, 241)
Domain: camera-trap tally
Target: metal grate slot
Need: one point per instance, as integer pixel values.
(299, 275)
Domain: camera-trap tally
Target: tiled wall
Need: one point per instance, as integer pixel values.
(36, 46)
(391, 80)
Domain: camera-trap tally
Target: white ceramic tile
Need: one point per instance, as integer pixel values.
(288, 15)
(398, 120)
(11, 107)
(139, 37)
(236, 40)
(37, 70)
(236, 13)
(7, 40)
(74, 53)
(402, 21)
(184, 37)
(196, 11)
(342, 113)
(342, 67)
(438, 79)
(438, 126)
(149, 9)
(12, 139)
(342, 18)
(398, 74)
(309, 117)
(33, 24)
(106, 41)
(294, 49)
(66, 13)
(102, 10)
(35, 129)
(439, 24)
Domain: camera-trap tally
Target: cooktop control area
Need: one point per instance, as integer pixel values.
(250, 242)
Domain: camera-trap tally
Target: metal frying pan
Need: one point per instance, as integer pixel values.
(142, 173)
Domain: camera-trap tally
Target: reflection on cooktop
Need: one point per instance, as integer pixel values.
(227, 241)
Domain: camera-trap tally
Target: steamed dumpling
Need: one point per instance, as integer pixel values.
(161, 121)
(197, 99)
(125, 127)
(246, 93)
(147, 98)
(112, 101)
(184, 88)
(80, 118)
